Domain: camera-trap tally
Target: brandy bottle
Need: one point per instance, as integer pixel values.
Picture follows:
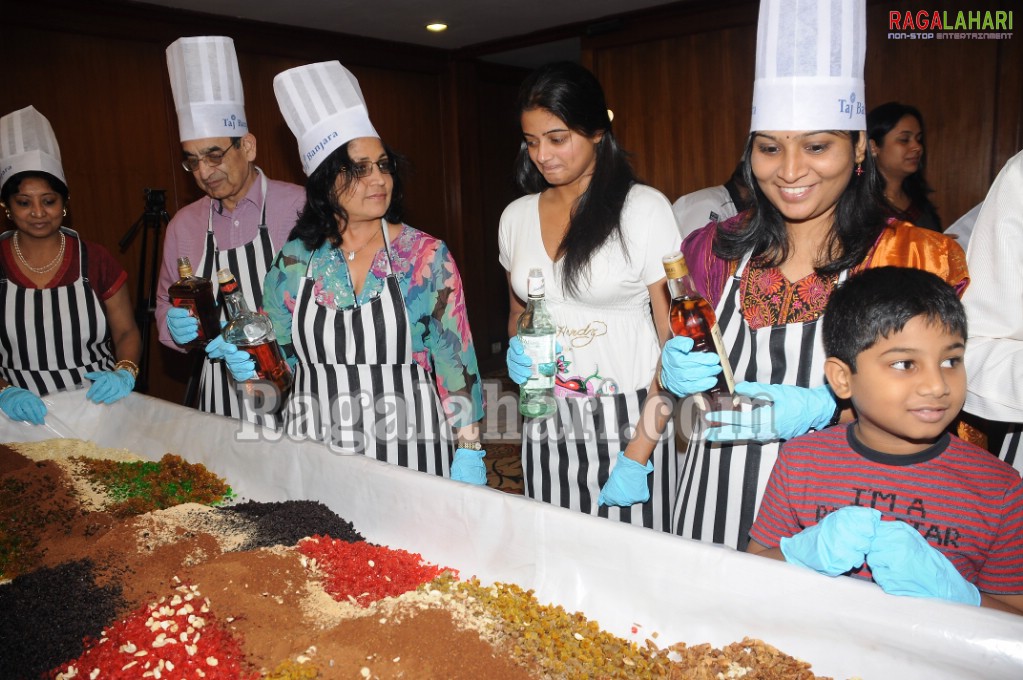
(692, 316)
(254, 333)
(195, 294)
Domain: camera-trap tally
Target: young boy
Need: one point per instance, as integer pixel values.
(892, 496)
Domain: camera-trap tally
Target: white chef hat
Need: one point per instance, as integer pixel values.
(323, 105)
(207, 88)
(809, 73)
(27, 143)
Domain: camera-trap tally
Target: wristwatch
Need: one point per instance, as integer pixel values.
(472, 446)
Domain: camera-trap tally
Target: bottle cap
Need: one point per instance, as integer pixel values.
(184, 267)
(675, 265)
(224, 275)
(535, 285)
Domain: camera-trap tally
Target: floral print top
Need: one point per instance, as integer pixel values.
(434, 299)
(770, 299)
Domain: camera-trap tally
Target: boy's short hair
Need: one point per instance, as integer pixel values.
(878, 302)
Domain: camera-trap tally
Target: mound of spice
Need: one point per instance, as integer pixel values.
(46, 615)
(138, 487)
(173, 638)
(363, 573)
(34, 499)
(287, 522)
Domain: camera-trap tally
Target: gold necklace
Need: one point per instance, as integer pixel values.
(45, 268)
(351, 253)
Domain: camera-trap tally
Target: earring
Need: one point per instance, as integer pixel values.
(859, 169)
(65, 212)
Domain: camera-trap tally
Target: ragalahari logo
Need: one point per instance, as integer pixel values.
(950, 25)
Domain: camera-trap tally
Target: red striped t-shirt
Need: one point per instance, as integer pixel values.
(966, 502)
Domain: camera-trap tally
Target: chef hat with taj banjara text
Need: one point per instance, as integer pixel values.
(809, 73)
(27, 143)
(207, 88)
(323, 105)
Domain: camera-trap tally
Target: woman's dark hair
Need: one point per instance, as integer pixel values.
(322, 218)
(880, 121)
(13, 184)
(573, 94)
(859, 219)
(877, 302)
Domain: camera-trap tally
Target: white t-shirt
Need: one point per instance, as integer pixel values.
(607, 333)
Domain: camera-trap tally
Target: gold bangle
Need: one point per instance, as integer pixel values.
(659, 383)
(127, 365)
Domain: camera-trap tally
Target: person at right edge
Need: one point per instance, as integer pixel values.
(241, 223)
(818, 215)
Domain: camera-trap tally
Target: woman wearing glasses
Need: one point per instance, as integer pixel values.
(244, 217)
(370, 311)
(68, 319)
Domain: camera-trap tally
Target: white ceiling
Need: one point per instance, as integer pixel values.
(470, 22)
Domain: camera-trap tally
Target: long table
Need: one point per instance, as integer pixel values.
(621, 576)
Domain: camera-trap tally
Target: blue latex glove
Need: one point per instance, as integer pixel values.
(904, 563)
(520, 365)
(836, 544)
(685, 372)
(20, 404)
(627, 483)
(238, 361)
(183, 327)
(109, 386)
(792, 411)
(468, 467)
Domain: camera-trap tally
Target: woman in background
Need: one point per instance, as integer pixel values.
(896, 133)
(598, 235)
(67, 314)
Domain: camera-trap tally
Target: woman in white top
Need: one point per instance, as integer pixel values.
(598, 235)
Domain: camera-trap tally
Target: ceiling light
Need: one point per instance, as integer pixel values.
(436, 27)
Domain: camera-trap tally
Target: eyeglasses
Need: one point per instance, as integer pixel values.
(211, 158)
(360, 170)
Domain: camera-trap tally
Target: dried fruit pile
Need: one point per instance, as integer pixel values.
(123, 569)
(176, 637)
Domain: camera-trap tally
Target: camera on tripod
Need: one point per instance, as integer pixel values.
(156, 200)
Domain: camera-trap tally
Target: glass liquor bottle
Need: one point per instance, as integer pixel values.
(195, 294)
(254, 333)
(536, 331)
(692, 316)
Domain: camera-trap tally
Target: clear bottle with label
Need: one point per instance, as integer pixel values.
(536, 331)
(195, 294)
(254, 333)
(692, 316)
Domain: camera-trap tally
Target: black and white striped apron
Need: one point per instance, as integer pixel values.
(52, 337)
(1012, 447)
(567, 458)
(357, 386)
(722, 484)
(218, 392)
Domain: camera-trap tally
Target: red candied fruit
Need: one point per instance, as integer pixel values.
(170, 639)
(364, 573)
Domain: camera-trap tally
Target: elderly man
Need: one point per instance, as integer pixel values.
(243, 220)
